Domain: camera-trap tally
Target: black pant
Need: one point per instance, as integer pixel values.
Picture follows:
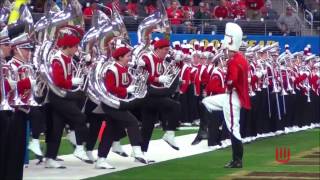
(15, 146)
(37, 119)
(153, 106)
(118, 120)
(64, 111)
(213, 123)
(4, 121)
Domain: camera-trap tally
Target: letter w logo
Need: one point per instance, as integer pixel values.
(282, 155)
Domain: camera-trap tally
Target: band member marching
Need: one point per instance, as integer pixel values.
(22, 52)
(237, 97)
(5, 109)
(117, 82)
(65, 109)
(158, 101)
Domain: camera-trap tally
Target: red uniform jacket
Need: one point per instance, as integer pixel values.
(253, 76)
(220, 12)
(117, 79)
(216, 83)
(24, 85)
(155, 68)
(7, 87)
(237, 77)
(315, 83)
(175, 15)
(201, 78)
(62, 70)
(185, 77)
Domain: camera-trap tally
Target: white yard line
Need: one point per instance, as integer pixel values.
(158, 151)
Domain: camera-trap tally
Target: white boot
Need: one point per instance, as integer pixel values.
(170, 139)
(34, 146)
(90, 156)
(80, 153)
(103, 164)
(50, 163)
(138, 155)
(117, 148)
(71, 136)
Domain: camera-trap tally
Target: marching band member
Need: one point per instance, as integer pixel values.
(237, 97)
(117, 82)
(158, 101)
(65, 110)
(22, 51)
(5, 52)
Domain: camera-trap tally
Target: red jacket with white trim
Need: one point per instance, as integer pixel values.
(117, 79)
(237, 77)
(62, 70)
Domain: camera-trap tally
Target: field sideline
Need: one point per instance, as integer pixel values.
(259, 156)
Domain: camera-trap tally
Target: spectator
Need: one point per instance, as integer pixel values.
(88, 12)
(150, 7)
(289, 23)
(221, 11)
(253, 8)
(238, 9)
(203, 17)
(132, 8)
(189, 10)
(175, 14)
(90, 8)
(269, 13)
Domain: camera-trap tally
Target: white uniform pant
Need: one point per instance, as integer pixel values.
(230, 105)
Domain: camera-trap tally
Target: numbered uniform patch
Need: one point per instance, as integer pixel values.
(159, 68)
(125, 79)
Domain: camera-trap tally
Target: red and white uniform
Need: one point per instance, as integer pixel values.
(62, 70)
(201, 78)
(238, 97)
(117, 79)
(155, 68)
(254, 78)
(185, 76)
(24, 85)
(315, 82)
(216, 83)
(7, 86)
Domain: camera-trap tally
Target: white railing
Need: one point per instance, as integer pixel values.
(308, 18)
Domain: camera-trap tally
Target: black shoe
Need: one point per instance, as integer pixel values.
(141, 160)
(123, 154)
(196, 140)
(234, 164)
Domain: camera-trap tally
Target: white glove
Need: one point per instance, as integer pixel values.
(87, 58)
(131, 88)
(163, 79)
(259, 74)
(141, 63)
(77, 81)
(12, 83)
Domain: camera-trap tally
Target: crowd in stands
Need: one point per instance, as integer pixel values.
(194, 16)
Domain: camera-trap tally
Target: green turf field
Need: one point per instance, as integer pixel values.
(66, 147)
(259, 156)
